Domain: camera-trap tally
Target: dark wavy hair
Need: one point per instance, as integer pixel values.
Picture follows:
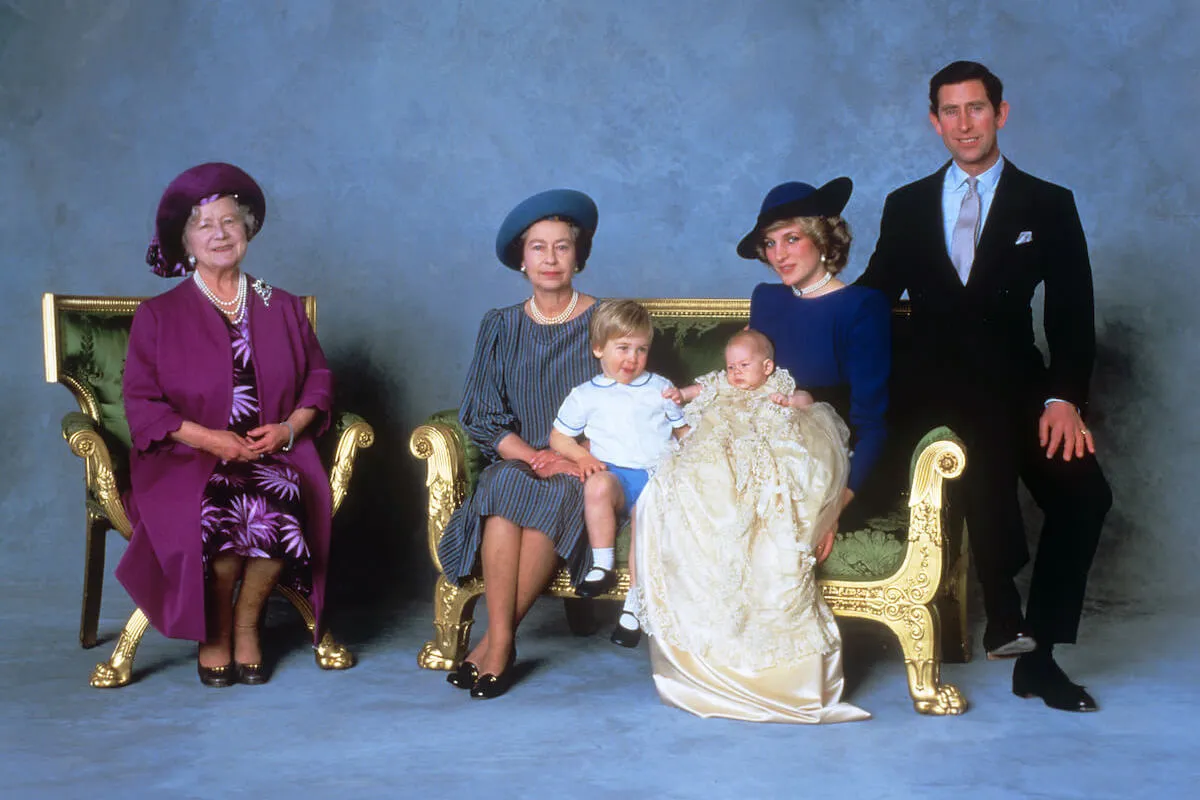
(961, 71)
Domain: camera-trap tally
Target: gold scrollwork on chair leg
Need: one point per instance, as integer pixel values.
(119, 669)
(916, 630)
(453, 612)
(327, 652)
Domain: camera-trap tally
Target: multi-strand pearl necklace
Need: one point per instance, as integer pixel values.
(235, 309)
(815, 287)
(542, 319)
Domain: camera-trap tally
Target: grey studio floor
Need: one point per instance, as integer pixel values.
(584, 721)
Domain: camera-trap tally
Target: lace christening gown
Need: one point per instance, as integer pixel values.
(725, 536)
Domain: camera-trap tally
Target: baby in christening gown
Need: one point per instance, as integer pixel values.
(727, 529)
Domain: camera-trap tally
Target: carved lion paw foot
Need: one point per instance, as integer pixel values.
(331, 655)
(948, 701)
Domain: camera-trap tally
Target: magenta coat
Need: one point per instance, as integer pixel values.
(180, 367)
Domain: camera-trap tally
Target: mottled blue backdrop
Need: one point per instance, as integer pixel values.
(392, 137)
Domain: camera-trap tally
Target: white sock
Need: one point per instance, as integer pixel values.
(629, 611)
(602, 558)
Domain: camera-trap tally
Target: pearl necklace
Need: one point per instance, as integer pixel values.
(542, 319)
(235, 309)
(815, 287)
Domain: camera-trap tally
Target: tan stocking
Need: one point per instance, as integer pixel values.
(216, 650)
(257, 582)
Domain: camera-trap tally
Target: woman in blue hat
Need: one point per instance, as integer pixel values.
(526, 514)
(834, 338)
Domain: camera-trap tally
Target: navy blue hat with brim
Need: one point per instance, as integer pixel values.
(795, 199)
(566, 204)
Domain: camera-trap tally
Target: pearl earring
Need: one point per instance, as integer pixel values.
(522, 268)
(192, 261)
(823, 258)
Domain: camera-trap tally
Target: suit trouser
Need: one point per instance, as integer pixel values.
(1074, 496)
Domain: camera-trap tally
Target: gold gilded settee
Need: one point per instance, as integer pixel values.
(84, 342)
(900, 570)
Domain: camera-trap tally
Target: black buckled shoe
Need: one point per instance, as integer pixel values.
(217, 677)
(464, 677)
(1042, 677)
(599, 586)
(251, 674)
(626, 637)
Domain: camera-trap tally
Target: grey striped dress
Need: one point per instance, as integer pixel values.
(519, 376)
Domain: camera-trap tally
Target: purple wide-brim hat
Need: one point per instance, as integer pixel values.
(191, 188)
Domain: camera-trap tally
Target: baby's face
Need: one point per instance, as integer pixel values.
(745, 366)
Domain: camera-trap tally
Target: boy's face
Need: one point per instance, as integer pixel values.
(624, 358)
(745, 366)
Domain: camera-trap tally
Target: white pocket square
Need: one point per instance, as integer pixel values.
(1024, 237)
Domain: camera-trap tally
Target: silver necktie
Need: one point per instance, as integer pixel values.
(966, 230)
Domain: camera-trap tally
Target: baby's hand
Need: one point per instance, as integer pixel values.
(797, 399)
(673, 394)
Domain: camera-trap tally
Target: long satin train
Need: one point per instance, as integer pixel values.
(807, 691)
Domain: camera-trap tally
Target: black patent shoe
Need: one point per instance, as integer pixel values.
(251, 674)
(490, 686)
(599, 586)
(464, 677)
(1045, 679)
(217, 677)
(626, 637)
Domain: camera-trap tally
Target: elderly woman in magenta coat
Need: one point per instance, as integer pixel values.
(225, 387)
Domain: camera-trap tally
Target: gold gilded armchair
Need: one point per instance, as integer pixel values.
(85, 340)
(902, 570)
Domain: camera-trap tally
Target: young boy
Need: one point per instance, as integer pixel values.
(626, 418)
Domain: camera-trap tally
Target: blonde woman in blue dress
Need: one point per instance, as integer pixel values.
(730, 532)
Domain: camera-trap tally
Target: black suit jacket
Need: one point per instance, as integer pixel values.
(979, 337)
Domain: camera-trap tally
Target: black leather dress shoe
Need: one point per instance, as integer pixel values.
(251, 674)
(217, 677)
(626, 637)
(464, 677)
(1042, 677)
(599, 586)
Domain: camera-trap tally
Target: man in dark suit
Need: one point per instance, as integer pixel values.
(971, 244)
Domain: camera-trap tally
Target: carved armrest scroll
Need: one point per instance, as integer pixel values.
(445, 478)
(355, 434)
(83, 437)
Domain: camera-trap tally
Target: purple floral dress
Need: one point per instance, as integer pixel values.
(253, 508)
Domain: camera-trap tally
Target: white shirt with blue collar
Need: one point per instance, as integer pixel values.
(954, 189)
(628, 424)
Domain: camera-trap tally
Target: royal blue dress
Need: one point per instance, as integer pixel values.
(838, 346)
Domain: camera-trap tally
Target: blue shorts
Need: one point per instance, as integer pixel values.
(632, 481)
